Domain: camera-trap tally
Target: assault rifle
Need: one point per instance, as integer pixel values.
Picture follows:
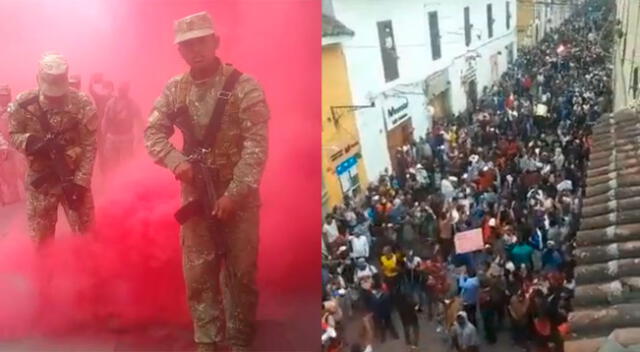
(197, 150)
(204, 205)
(50, 148)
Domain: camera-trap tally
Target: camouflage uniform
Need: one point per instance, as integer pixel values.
(80, 152)
(239, 155)
(121, 117)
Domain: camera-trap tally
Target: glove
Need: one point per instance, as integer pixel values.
(34, 145)
(74, 194)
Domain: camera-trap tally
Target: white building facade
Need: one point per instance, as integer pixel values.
(626, 64)
(418, 61)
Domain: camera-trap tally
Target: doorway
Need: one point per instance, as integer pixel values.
(398, 137)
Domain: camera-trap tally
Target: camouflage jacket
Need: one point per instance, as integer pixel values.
(240, 151)
(78, 122)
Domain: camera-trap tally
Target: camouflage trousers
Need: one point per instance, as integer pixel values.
(219, 289)
(42, 214)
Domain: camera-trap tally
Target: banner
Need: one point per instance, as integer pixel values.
(541, 110)
(468, 241)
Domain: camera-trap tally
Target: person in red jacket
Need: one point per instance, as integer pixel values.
(526, 83)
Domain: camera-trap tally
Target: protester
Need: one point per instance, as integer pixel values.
(513, 169)
(464, 335)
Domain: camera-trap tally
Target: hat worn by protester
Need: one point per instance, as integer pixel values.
(193, 26)
(53, 77)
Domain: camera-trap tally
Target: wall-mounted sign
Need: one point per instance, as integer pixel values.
(396, 110)
(346, 165)
(349, 149)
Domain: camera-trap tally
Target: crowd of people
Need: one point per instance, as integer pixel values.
(510, 170)
(121, 125)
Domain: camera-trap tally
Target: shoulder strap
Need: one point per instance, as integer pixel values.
(184, 88)
(211, 133)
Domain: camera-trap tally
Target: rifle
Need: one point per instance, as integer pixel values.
(204, 205)
(52, 150)
(61, 174)
(197, 150)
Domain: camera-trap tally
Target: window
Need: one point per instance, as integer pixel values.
(546, 11)
(508, 15)
(467, 27)
(434, 32)
(388, 51)
(490, 20)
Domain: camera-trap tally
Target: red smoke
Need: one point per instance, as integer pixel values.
(129, 272)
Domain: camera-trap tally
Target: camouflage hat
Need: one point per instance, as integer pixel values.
(4, 89)
(193, 26)
(53, 75)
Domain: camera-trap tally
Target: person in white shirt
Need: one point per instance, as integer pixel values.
(330, 229)
(421, 175)
(413, 263)
(359, 246)
(447, 189)
(350, 217)
(364, 272)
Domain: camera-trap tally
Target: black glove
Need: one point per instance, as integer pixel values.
(74, 194)
(34, 145)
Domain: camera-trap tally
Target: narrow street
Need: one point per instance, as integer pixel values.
(429, 340)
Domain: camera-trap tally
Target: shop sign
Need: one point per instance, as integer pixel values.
(346, 165)
(347, 150)
(396, 110)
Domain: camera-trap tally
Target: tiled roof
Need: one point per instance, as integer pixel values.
(331, 27)
(607, 295)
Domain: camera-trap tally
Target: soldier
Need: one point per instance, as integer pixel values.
(101, 91)
(55, 127)
(122, 118)
(232, 151)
